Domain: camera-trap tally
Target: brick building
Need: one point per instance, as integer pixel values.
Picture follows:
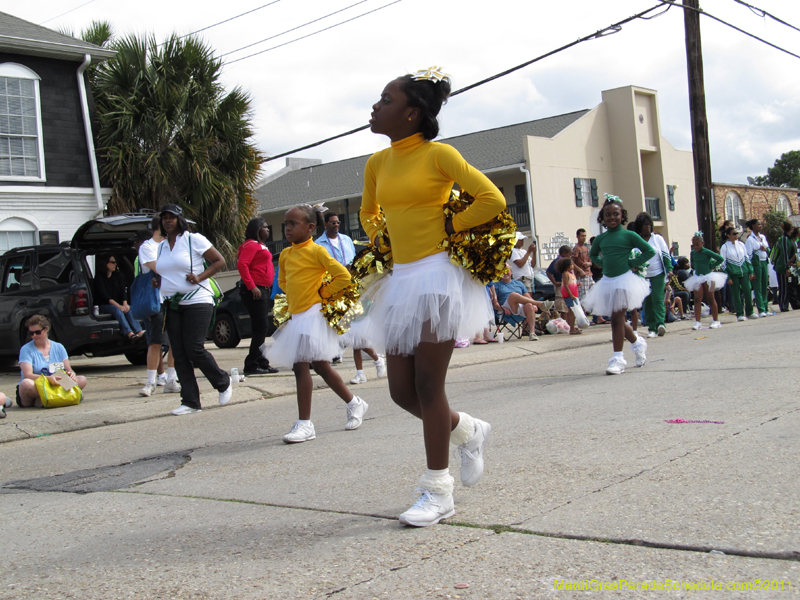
(740, 203)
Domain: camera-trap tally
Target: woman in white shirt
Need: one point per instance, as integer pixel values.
(758, 250)
(189, 306)
(658, 269)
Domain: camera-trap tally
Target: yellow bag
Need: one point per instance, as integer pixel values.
(53, 396)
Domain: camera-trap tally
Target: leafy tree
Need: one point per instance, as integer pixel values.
(785, 173)
(771, 225)
(168, 132)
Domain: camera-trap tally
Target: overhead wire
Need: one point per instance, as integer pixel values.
(763, 13)
(66, 13)
(292, 29)
(231, 18)
(314, 33)
(610, 30)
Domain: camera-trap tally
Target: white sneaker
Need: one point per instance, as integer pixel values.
(639, 348)
(652, 334)
(715, 325)
(616, 366)
(472, 453)
(355, 414)
(533, 337)
(301, 432)
(225, 397)
(755, 315)
(380, 366)
(429, 509)
(359, 378)
(662, 331)
(185, 410)
(548, 305)
(697, 325)
(8, 402)
(742, 318)
(762, 315)
(172, 387)
(161, 379)
(147, 390)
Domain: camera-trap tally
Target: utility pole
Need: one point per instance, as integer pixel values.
(697, 110)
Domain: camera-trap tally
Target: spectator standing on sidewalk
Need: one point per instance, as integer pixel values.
(581, 260)
(147, 248)
(522, 262)
(555, 278)
(254, 263)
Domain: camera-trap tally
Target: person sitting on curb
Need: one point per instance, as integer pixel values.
(513, 299)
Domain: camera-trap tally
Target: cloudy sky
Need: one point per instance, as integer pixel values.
(325, 84)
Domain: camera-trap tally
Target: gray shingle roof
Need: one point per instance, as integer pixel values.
(23, 37)
(484, 150)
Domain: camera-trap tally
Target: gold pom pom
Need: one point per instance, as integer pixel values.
(342, 307)
(483, 250)
(280, 310)
(375, 260)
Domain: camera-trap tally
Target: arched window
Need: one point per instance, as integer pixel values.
(734, 209)
(16, 232)
(784, 206)
(21, 147)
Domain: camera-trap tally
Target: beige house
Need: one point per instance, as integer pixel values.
(553, 173)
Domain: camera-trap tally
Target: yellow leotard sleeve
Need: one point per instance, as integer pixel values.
(302, 267)
(411, 181)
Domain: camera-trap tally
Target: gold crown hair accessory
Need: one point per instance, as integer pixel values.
(434, 74)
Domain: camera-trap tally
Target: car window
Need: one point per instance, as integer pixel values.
(17, 274)
(55, 268)
(541, 277)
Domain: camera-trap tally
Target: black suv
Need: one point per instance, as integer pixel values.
(56, 281)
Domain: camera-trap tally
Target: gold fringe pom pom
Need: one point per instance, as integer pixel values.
(342, 307)
(280, 310)
(375, 260)
(483, 250)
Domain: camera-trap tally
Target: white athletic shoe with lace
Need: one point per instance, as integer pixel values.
(471, 453)
(639, 348)
(147, 390)
(225, 397)
(715, 325)
(172, 387)
(380, 366)
(429, 509)
(355, 414)
(300, 432)
(616, 366)
(697, 325)
(662, 331)
(742, 318)
(161, 379)
(359, 378)
(185, 410)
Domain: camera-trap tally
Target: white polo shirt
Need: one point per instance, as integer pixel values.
(173, 265)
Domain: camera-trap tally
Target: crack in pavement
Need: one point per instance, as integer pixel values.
(28, 433)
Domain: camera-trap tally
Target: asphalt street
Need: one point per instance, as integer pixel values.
(589, 491)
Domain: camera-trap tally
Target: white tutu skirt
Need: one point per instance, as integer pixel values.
(612, 294)
(358, 336)
(715, 279)
(429, 300)
(306, 337)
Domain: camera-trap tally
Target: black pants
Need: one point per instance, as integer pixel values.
(787, 292)
(187, 329)
(259, 322)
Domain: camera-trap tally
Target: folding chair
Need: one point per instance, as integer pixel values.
(512, 326)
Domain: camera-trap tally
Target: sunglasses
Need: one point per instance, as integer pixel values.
(334, 223)
(112, 262)
(37, 332)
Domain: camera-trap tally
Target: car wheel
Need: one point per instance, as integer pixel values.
(225, 334)
(137, 357)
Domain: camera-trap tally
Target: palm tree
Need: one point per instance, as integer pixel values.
(169, 132)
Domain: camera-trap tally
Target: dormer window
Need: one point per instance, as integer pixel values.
(21, 147)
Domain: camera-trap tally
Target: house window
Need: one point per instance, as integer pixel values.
(783, 205)
(354, 223)
(734, 209)
(671, 197)
(15, 232)
(21, 148)
(585, 192)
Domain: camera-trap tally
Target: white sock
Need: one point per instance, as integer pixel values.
(302, 422)
(355, 401)
(437, 481)
(359, 371)
(619, 355)
(151, 376)
(463, 431)
(171, 374)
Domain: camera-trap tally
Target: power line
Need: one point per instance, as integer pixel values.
(292, 29)
(762, 13)
(66, 13)
(314, 33)
(231, 19)
(610, 30)
(747, 33)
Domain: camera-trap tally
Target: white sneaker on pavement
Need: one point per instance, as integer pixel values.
(742, 318)
(359, 378)
(652, 334)
(301, 432)
(715, 325)
(429, 509)
(161, 379)
(762, 315)
(533, 337)
(639, 349)
(662, 331)
(172, 387)
(185, 410)
(616, 366)
(148, 390)
(755, 315)
(472, 453)
(355, 414)
(8, 402)
(697, 325)
(225, 397)
(380, 366)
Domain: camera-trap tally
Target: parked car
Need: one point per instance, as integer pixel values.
(543, 288)
(233, 321)
(56, 281)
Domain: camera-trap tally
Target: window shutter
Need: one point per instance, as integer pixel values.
(594, 192)
(578, 192)
(671, 197)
